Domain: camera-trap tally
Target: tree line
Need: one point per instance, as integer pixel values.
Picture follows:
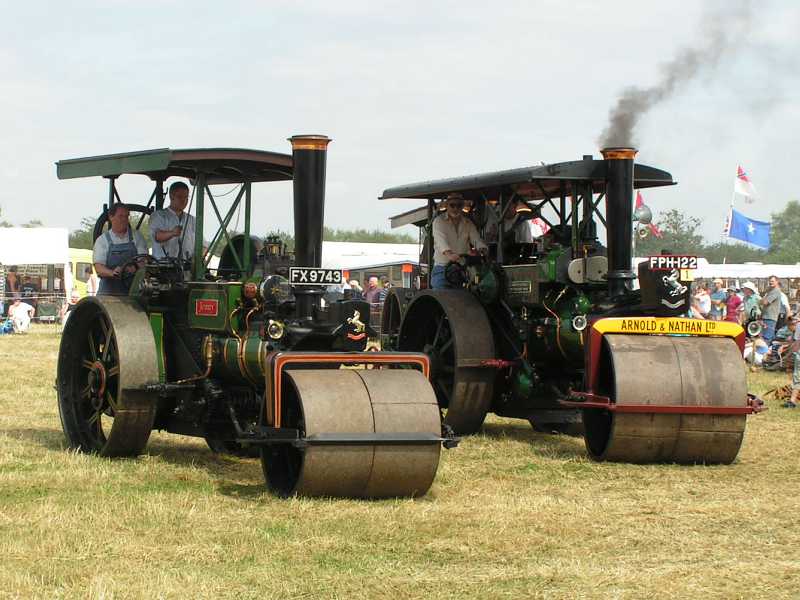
(680, 236)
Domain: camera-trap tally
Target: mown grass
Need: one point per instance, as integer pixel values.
(512, 514)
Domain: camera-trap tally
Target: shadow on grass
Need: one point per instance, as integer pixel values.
(246, 491)
(52, 439)
(235, 477)
(557, 445)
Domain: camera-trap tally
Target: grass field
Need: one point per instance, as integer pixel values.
(512, 514)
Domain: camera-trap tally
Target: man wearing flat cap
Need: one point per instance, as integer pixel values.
(453, 235)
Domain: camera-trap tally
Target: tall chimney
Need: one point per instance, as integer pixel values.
(309, 153)
(619, 217)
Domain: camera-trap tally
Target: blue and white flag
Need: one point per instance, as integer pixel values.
(748, 230)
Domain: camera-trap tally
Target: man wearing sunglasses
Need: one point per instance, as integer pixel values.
(453, 235)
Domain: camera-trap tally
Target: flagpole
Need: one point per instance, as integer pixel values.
(730, 216)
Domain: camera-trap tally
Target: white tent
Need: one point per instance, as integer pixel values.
(357, 255)
(740, 271)
(34, 246)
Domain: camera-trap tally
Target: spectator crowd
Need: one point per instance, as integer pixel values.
(769, 315)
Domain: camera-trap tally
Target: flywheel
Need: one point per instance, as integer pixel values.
(107, 356)
(452, 328)
(668, 371)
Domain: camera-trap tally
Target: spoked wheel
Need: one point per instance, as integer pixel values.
(451, 327)
(107, 355)
(663, 371)
(394, 306)
(347, 403)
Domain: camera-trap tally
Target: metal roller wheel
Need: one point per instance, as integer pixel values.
(394, 307)
(668, 370)
(355, 401)
(107, 352)
(452, 328)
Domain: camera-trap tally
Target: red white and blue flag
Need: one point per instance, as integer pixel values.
(743, 186)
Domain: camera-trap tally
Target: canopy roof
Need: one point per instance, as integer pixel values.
(535, 183)
(221, 165)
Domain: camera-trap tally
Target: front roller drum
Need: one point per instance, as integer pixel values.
(107, 356)
(343, 401)
(668, 371)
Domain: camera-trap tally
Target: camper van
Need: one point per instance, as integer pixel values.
(80, 261)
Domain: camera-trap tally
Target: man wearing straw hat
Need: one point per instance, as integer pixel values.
(453, 235)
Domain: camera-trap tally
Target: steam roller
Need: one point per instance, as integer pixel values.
(246, 356)
(551, 322)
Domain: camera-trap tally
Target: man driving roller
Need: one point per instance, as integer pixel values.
(453, 235)
(112, 250)
(171, 228)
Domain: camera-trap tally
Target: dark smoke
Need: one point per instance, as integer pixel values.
(723, 33)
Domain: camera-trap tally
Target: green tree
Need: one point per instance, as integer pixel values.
(366, 235)
(733, 252)
(82, 237)
(785, 235)
(32, 224)
(4, 223)
(679, 236)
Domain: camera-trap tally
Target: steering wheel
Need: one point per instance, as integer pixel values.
(134, 262)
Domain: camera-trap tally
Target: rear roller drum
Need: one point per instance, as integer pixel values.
(394, 306)
(355, 402)
(662, 370)
(451, 327)
(107, 352)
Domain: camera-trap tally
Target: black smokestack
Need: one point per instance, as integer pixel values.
(722, 34)
(619, 217)
(309, 153)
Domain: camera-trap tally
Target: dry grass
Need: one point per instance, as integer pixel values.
(513, 514)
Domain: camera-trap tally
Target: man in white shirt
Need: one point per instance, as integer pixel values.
(453, 235)
(171, 228)
(114, 249)
(20, 314)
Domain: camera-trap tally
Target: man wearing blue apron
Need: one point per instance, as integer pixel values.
(113, 249)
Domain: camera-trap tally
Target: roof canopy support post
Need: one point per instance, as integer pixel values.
(218, 234)
(588, 209)
(158, 190)
(112, 191)
(144, 214)
(501, 224)
(595, 205)
(246, 251)
(576, 203)
(224, 229)
(562, 188)
(199, 265)
(429, 240)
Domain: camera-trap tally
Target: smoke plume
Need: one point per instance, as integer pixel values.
(723, 33)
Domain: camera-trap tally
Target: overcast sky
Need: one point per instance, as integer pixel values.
(407, 90)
